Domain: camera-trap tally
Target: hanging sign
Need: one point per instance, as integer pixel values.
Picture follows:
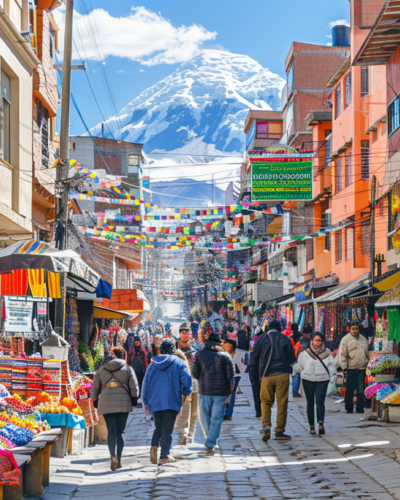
(18, 314)
(284, 174)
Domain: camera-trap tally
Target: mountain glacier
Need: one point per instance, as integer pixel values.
(199, 109)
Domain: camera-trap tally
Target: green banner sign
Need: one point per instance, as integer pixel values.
(288, 179)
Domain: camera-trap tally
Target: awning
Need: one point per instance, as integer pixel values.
(287, 301)
(390, 298)
(345, 289)
(383, 39)
(103, 312)
(388, 281)
(304, 302)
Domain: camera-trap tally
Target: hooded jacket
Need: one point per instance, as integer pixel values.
(108, 387)
(167, 379)
(213, 368)
(282, 358)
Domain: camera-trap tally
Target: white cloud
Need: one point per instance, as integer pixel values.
(328, 36)
(338, 23)
(329, 44)
(141, 70)
(143, 36)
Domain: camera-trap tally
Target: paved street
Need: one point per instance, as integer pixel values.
(355, 459)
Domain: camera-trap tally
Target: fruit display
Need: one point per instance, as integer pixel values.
(26, 423)
(53, 408)
(70, 403)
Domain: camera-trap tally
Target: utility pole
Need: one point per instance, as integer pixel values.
(372, 229)
(62, 168)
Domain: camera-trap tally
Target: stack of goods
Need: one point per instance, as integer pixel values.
(386, 364)
(6, 346)
(65, 379)
(52, 377)
(19, 376)
(34, 376)
(89, 412)
(6, 371)
(12, 346)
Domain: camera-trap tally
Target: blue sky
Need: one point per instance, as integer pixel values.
(145, 42)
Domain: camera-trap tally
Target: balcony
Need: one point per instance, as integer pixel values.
(250, 276)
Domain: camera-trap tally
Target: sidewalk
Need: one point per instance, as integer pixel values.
(355, 460)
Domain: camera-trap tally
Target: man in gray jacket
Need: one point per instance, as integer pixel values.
(353, 359)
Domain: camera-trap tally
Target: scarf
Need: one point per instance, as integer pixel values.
(322, 351)
(183, 345)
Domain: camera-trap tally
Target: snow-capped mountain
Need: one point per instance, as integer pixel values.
(199, 109)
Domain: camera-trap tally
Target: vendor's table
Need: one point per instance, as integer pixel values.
(34, 463)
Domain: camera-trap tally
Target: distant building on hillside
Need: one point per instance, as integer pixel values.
(120, 158)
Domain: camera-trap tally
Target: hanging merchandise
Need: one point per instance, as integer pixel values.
(394, 324)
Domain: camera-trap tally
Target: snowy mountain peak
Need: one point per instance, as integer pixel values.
(200, 108)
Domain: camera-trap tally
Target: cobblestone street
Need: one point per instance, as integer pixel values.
(355, 459)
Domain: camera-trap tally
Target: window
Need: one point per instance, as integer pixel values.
(290, 80)
(394, 115)
(328, 150)
(338, 245)
(289, 117)
(5, 118)
(349, 242)
(266, 130)
(365, 160)
(338, 175)
(309, 250)
(348, 89)
(325, 224)
(365, 237)
(133, 160)
(338, 100)
(349, 167)
(364, 81)
(43, 124)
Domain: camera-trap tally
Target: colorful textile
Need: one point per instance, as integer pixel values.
(37, 283)
(394, 324)
(53, 283)
(10, 475)
(15, 283)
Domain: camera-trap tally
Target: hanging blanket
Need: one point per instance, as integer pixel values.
(10, 475)
(394, 324)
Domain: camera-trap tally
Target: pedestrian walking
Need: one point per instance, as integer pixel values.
(237, 356)
(317, 366)
(295, 339)
(353, 358)
(115, 387)
(186, 420)
(213, 368)
(167, 379)
(137, 359)
(274, 356)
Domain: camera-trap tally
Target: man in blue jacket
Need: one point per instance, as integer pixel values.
(167, 379)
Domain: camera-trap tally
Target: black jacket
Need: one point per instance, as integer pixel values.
(283, 356)
(214, 370)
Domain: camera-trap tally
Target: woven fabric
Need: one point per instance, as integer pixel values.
(15, 283)
(10, 475)
(36, 282)
(394, 324)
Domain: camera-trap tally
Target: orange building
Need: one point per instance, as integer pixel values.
(354, 155)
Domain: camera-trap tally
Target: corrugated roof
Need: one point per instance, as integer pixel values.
(383, 39)
(344, 289)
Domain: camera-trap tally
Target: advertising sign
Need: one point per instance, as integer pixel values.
(18, 315)
(282, 175)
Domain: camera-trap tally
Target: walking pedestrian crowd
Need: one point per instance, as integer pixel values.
(197, 375)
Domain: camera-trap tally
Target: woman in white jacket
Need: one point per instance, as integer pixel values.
(317, 366)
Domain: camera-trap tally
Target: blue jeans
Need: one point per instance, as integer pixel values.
(212, 409)
(229, 406)
(296, 383)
